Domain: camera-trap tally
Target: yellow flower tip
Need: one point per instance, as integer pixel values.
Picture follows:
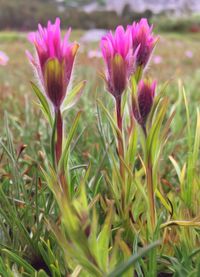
(118, 60)
(75, 48)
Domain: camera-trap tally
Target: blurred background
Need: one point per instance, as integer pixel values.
(87, 14)
(176, 56)
(177, 22)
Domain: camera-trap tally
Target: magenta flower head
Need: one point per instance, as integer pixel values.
(143, 37)
(119, 60)
(3, 58)
(54, 60)
(143, 104)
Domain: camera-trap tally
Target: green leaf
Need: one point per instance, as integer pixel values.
(176, 166)
(132, 147)
(42, 273)
(103, 242)
(21, 262)
(121, 269)
(197, 140)
(68, 141)
(73, 96)
(163, 201)
(44, 103)
(185, 223)
(153, 137)
(14, 217)
(110, 119)
(76, 271)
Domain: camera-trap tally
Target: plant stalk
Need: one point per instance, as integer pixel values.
(59, 135)
(150, 191)
(120, 141)
(121, 150)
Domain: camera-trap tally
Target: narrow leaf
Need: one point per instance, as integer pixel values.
(73, 96)
(121, 269)
(44, 103)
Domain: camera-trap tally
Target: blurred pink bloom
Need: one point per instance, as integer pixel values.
(119, 60)
(3, 58)
(94, 54)
(189, 54)
(54, 60)
(143, 37)
(142, 105)
(157, 59)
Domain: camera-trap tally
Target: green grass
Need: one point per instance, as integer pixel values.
(31, 210)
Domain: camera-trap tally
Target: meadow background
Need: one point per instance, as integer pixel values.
(176, 60)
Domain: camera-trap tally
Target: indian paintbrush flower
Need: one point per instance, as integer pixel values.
(53, 63)
(120, 64)
(119, 60)
(143, 38)
(142, 103)
(54, 60)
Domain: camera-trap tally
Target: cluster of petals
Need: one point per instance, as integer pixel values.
(53, 61)
(119, 59)
(143, 37)
(125, 51)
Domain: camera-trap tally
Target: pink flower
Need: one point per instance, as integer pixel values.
(54, 60)
(94, 54)
(119, 59)
(3, 58)
(189, 54)
(143, 37)
(142, 105)
(157, 59)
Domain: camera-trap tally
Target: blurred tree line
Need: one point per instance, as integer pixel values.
(83, 2)
(25, 14)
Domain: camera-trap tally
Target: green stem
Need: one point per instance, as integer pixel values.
(150, 185)
(150, 191)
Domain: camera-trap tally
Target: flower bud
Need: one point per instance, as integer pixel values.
(142, 105)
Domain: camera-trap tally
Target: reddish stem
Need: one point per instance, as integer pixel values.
(119, 116)
(119, 124)
(59, 135)
(120, 146)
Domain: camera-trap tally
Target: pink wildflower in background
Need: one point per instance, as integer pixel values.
(143, 38)
(3, 58)
(189, 54)
(157, 59)
(54, 60)
(94, 54)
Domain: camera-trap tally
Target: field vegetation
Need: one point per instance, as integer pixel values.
(85, 235)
